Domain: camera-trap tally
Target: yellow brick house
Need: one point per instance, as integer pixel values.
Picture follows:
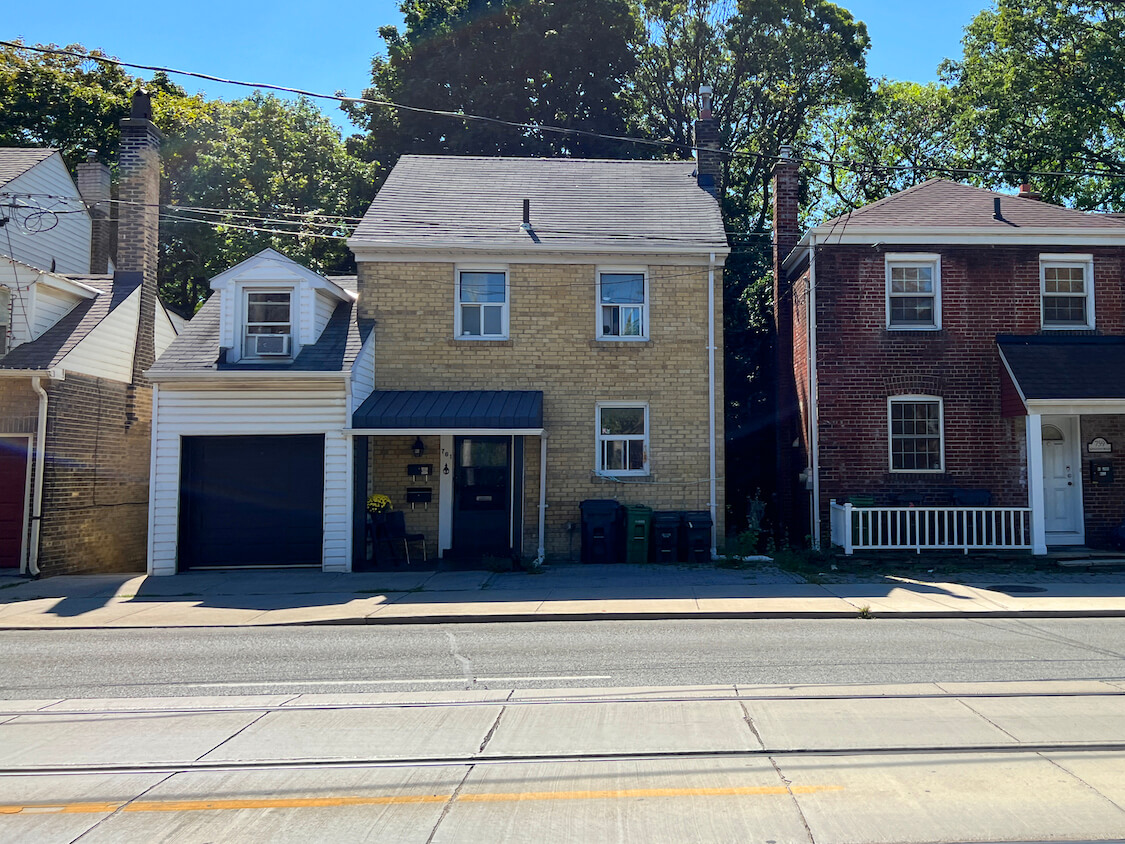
(521, 335)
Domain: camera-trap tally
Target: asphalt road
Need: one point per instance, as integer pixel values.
(162, 662)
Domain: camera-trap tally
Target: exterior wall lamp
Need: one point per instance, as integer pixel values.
(419, 447)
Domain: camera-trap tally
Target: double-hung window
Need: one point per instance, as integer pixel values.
(622, 305)
(1066, 287)
(482, 305)
(917, 435)
(622, 439)
(269, 325)
(913, 291)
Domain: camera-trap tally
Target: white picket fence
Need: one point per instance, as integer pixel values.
(929, 528)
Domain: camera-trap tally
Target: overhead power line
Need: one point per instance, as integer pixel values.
(845, 164)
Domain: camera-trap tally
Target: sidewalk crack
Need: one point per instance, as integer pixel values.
(748, 718)
(988, 720)
(121, 808)
(233, 735)
(1092, 788)
(449, 804)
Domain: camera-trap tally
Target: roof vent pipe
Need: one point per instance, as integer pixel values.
(526, 224)
(996, 215)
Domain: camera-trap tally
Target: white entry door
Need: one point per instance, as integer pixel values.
(1062, 481)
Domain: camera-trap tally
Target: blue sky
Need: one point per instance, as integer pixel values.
(324, 48)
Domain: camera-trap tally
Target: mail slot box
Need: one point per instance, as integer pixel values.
(419, 495)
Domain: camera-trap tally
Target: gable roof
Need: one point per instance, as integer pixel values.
(578, 205)
(56, 342)
(940, 203)
(196, 348)
(15, 161)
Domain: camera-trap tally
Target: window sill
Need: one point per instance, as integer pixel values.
(1067, 329)
(481, 341)
(916, 329)
(621, 479)
(610, 343)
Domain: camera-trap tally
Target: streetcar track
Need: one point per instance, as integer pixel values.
(333, 763)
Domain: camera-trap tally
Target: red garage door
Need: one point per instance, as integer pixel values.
(13, 498)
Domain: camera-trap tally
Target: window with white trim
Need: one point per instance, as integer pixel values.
(913, 291)
(1067, 291)
(917, 434)
(482, 305)
(268, 316)
(622, 439)
(622, 305)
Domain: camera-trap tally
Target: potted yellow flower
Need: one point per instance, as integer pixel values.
(378, 504)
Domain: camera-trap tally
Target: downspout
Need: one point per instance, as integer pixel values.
(711, 395)
(814, 403)
(37, 498)
(542, 550)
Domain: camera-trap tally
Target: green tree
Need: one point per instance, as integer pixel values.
(1041, 87)
(281, 166)
(900, 135)
(776, 67)
(550, 62)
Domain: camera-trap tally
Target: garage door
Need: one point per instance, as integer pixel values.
(251, 501)
(13, 495)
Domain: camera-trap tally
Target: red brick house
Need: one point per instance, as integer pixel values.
(952, 371)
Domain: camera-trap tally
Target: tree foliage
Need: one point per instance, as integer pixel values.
(549, 62)
(1041, 87)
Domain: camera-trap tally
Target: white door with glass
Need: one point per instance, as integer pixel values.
(1062, 482)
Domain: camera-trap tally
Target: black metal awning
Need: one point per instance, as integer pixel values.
(451, 410)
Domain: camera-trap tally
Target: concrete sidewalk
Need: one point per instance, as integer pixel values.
(561, 592)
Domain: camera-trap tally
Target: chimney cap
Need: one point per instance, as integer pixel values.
(141, 106)
(91, 155)
(705, 92)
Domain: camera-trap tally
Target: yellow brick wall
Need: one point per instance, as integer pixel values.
(552, 347)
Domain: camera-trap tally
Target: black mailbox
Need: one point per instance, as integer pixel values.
(1101, 471)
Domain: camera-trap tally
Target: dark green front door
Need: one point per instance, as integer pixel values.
(482, 496)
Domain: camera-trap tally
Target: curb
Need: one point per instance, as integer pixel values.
(512, 618)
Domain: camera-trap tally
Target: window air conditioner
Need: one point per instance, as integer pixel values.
(270, 344)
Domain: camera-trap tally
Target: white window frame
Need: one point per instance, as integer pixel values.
(913, 259)
(1086, 262)
(916, 399)
(504, 308)
(600, 438)
(598, 272)
(244, 321)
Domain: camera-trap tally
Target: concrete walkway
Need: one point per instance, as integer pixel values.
(563, 592)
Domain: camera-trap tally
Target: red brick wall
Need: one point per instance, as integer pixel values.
(985, 292)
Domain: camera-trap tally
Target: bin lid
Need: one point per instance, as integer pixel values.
(665, 517)
(596, 505)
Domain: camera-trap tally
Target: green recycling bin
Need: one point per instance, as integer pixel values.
(638, 520)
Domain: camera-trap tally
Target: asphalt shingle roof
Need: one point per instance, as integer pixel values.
(57, 341)
(1066, 367)
(196, 349)
(575, 203)
(15, 161)
(940, 203)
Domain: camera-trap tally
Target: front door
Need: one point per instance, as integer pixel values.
(13, 499)
(482, 496)
(1062, 481)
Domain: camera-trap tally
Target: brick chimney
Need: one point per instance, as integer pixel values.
(786, 235)
(138, 214)
(709, 161)
(1027, 193)
(93, 184)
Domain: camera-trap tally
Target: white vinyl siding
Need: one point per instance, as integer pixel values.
(323, 308)
(37, 239)
(363, 375)
(48, 307)
(165, 330)
(249, 410)
(107, 351)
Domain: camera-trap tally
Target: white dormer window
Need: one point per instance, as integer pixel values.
(269, 324)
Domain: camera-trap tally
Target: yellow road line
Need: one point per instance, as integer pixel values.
(399, 800)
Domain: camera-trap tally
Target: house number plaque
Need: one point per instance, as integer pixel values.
(1099, 445)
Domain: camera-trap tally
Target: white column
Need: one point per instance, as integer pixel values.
(542, 496)
(445, 494)
(1035, 484)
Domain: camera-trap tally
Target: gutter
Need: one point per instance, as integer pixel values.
(205, 375)
(711, 395)
(40, 454)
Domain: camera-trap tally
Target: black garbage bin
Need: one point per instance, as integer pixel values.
(665, 542)
(601, 530)
(697, 536)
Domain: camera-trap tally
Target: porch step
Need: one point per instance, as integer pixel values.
(1090, 562)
